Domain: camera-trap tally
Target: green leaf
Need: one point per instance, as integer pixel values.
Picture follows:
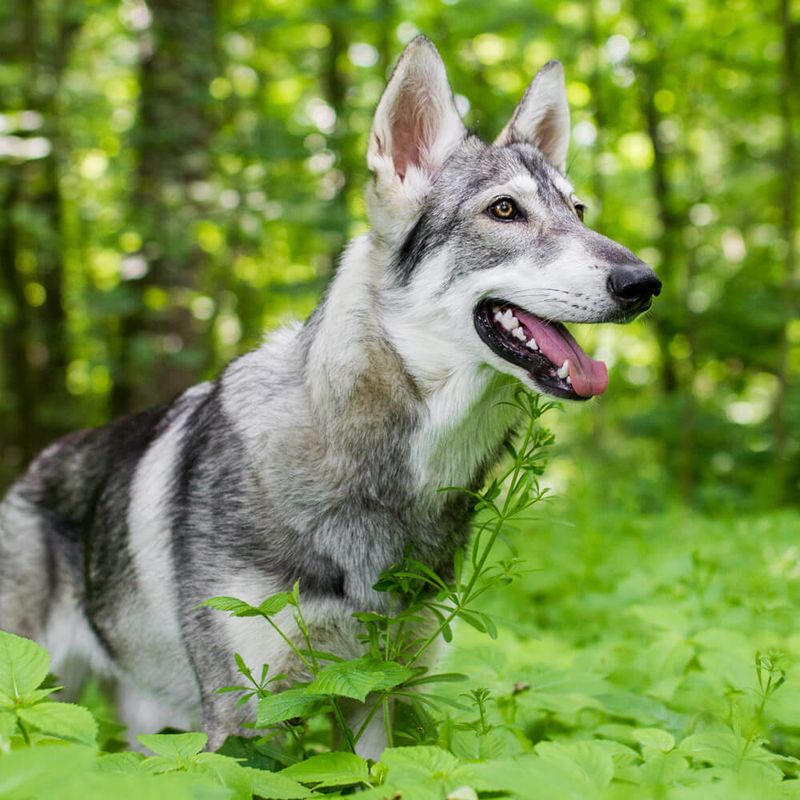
(358, 677)
(174, 745)
(275, 786)
(653, 739)
(65, 720)
(227, 771)
(292, 703)
(23, 666)
(8, 725)
(440, 677)
(418, 760)
(39, 771)
(37, 695)
(587, 760)
(120, 762)
(329, 769)
(473, 619)
(236, 607)
(275, 603)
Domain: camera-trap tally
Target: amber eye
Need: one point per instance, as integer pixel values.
(580, 209)
(504, 209)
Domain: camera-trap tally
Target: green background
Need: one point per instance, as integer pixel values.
(177, 178)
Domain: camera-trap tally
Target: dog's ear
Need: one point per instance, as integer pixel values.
(542, 116)
(416, 125)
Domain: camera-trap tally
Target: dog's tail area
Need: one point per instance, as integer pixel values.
(24, 567)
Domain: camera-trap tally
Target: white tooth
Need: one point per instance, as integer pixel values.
(532, 344)
(498, 315)
(518, 333)
(506, 320)
(564, 371)
(514, 322)
(569, 380)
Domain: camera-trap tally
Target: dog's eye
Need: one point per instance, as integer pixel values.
(580, 209)
(504, 209)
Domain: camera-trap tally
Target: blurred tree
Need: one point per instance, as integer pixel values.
(788, 202)
(177, 177)
(172, 139)
(38, 40)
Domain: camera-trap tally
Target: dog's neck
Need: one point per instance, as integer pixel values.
(364, 384)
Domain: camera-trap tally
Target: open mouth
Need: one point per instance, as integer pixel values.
(545, 349)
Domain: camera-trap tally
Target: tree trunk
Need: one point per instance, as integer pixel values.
(788, 202)
(18, 379)
(36, 345)
(334, 86)
(160, 346)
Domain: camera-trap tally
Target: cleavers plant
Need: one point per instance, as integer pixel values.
(420, 610)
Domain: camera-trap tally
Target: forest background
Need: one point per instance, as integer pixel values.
(177, 178)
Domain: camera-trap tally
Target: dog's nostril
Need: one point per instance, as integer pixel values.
(633, 284)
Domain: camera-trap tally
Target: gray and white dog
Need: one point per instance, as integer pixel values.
(318, 456)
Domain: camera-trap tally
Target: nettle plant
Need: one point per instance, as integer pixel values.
(422, 608)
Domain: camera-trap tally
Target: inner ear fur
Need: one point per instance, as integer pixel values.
(416, 124)
(542, 116)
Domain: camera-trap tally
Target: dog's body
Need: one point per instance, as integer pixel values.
(319, 455)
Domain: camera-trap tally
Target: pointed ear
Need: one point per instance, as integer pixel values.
(542, 116)
(416, 125)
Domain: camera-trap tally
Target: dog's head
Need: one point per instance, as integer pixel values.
(489, 252)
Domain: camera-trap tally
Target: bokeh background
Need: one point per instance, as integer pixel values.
(179, 176)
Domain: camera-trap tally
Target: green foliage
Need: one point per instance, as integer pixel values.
(644, 657)
(172, 187)
(639, 657)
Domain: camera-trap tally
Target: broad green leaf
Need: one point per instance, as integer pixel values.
(292, 703)
(174, 745)
(589, 758)
(236, 607)
(120, 762)
(64, 720)
(357, 678)
(227, 771)
(31, 698)
(276, 786)
(329, 769)
(23, 666)
(654, 739)
(8, 724)
(729, 751)
(140, 786)
(158, 765)
(40, 771)
(420, 761)
(663, 768)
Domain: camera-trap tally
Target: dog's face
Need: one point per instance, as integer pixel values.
(490, 254)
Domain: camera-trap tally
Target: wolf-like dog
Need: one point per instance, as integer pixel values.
(318, 456)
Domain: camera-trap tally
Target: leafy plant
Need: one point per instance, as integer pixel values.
(397, 640)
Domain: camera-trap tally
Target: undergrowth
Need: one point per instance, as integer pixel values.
(595, 653)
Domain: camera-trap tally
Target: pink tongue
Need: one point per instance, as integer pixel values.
(589, 377)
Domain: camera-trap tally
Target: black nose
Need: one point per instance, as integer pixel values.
(633, 284)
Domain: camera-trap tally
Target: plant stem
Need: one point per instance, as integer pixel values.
(387, 722)
(294, 649)
(502, 517)
(368, 719)
(348, 734)
(24, 731)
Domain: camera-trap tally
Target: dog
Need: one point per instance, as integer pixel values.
(318, 456)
